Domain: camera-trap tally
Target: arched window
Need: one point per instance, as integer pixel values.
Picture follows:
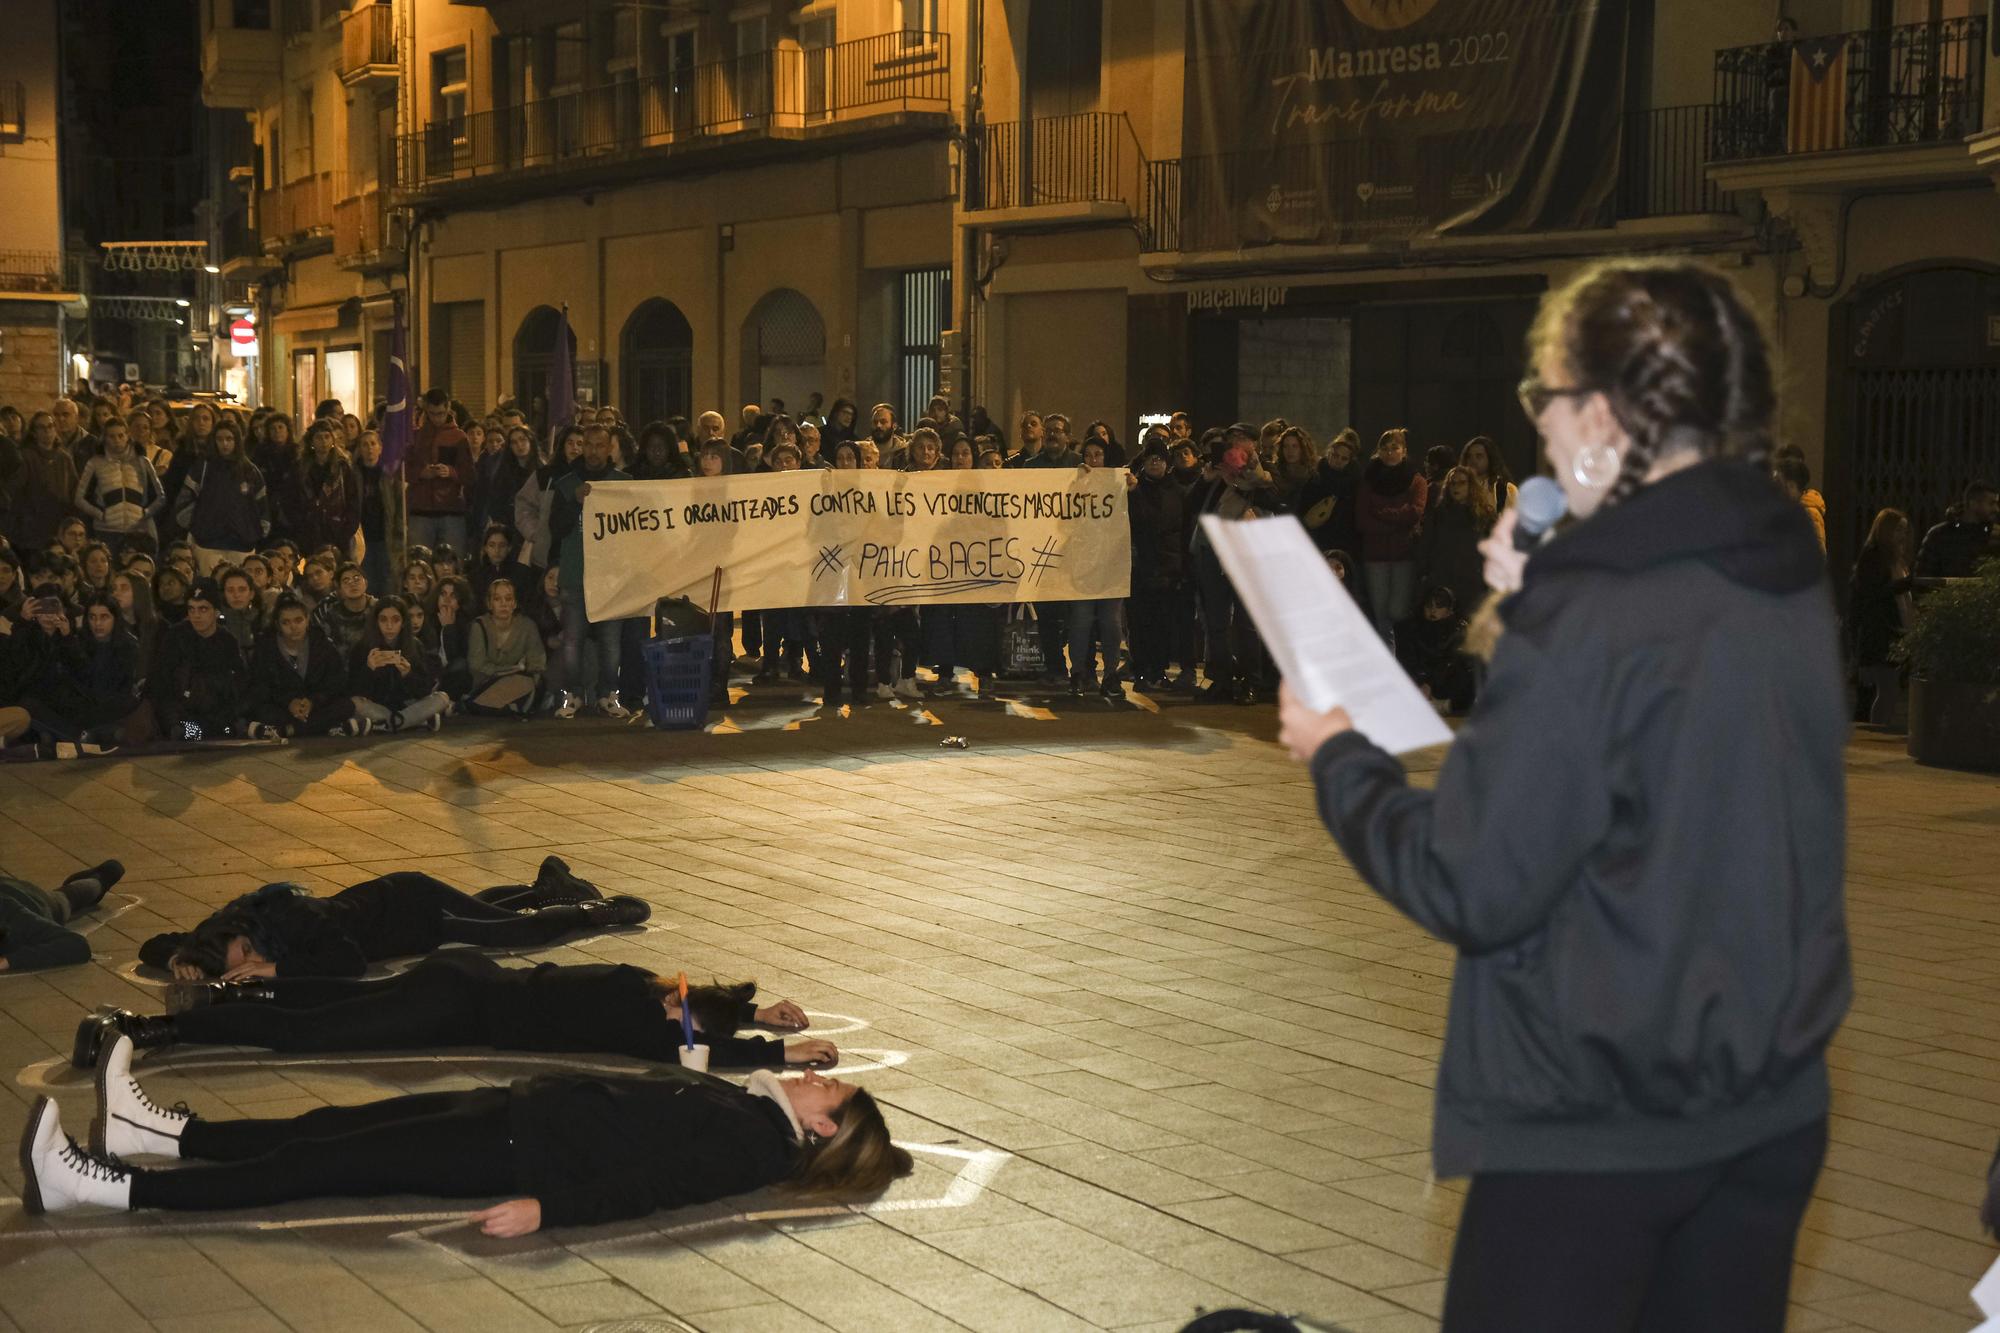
(656, 363)
(534, 357)
(784, 350)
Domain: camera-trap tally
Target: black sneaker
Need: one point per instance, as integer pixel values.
(611, 913)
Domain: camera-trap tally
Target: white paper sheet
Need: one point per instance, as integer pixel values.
(1986, 1295)
(1329, 653)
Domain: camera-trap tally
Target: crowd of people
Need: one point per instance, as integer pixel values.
(203, 573)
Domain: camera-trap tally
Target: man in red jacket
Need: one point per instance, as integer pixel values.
(439, 468)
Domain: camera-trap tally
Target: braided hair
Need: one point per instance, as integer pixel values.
(1676, 352)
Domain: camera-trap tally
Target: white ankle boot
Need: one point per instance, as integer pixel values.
(56, 1174)
(129, 1123)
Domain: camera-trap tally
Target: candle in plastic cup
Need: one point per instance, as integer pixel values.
(695, 1057)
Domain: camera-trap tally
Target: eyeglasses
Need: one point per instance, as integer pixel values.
(1536, 396)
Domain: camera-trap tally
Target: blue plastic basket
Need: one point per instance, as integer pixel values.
(678, 669)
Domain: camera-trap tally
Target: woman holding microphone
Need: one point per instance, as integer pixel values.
(1635, 843)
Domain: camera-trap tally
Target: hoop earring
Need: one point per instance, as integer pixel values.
(1595, 465)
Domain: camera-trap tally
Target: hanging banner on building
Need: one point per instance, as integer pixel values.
(1333, 121)
(857, 538)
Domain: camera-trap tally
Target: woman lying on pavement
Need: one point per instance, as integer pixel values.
(281, 930)
(467, 999)
(577, 1150)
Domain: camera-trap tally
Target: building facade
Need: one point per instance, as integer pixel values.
(1339, 211)
(40, 288)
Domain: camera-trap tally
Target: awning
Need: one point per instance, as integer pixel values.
(307, 317)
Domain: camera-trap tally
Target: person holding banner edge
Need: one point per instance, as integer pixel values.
(1652, 955)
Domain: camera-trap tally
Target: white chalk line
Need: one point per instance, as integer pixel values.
(970, 1181)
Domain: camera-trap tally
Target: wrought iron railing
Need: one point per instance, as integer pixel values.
(1663, 164)
(1909, 84)
(1089, 157)
(1199, 203)
(361, 225)
(299, 209)
(786, 89)
(38, 271)
(367, 38)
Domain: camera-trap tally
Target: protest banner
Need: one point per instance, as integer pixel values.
(857, 538)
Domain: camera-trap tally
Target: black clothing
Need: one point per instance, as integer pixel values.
(467, 999)
(1433, 653)
(393, 916)
(1636, 843)
(197, 680)
(1954, 548)
(1707, 1247)
(1874, 617)
(1448, 555)
(604, 1149)
(386, 685)
(1158, 511)
(451, 1145)
(275, 678)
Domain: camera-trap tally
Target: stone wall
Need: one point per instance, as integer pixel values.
(31, 360)
(1296, 369)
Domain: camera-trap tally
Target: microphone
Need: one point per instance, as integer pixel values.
(1538, 507)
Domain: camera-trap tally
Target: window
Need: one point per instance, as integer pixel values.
(343, 378)
(1065, 46)
(752, 83)
(448, 91)
(816, 48)
(298, 18)
(924, 308)
(13, 112)
(251, 14)
(920, 21)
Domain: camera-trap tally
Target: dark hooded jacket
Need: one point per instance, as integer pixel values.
(1636, 843)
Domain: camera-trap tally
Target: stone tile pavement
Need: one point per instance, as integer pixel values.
(1168, 1053)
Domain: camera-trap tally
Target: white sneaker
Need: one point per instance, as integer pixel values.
(906, 688)
(883, 691)
(612, 708)
(354, 726)
(56, 1174)
(569, 705)
(129, 1123)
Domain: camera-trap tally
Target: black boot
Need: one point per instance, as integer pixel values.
(611, 913)
(185, 995)
(556, 884)
(106, 1021)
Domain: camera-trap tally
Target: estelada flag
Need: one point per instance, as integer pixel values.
(1816, 120)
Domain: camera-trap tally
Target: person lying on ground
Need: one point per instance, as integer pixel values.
(467, 999)
(281, 930)
(571, 1150)
(34, 921)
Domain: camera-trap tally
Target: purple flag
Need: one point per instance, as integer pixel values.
(396, 420)
(562, 379)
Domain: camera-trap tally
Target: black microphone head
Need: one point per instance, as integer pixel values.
(1539, 505)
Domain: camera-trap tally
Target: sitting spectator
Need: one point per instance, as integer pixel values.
(170, 594)
(418, 581)
(505, 655)
(316, 581)
(242, 614)
(298, 680)
(13, 589)
(1431, 647)
(444, 632)
(33, 919)
(198, 682)
(347, 615)
(393, 684)
(93, 570)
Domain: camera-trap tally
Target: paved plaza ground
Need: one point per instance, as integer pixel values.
(1161, 1050)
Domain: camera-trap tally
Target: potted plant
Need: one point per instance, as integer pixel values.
(1953, 654)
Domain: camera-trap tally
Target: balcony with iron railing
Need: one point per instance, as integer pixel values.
(895, 82)
(368, 43)
(1912, 84)
(40, 272)
(1196, 203)
(1082, 167)
(364, 234)
(299, 214)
